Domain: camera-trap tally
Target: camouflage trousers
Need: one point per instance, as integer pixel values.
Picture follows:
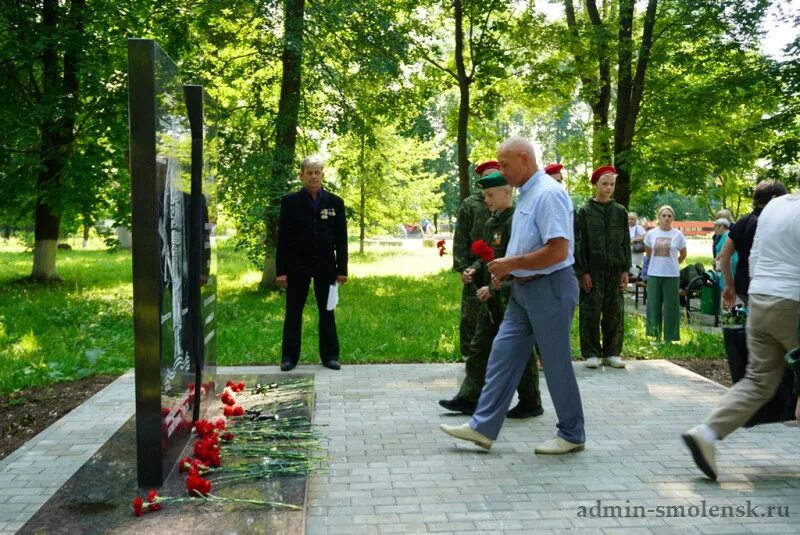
(489, 318)
(470, 306)
(602, 309)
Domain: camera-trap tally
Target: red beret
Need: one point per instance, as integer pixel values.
(491, 164)
(600, 171)
(553, 168)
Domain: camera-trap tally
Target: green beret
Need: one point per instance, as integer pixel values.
(492, 181)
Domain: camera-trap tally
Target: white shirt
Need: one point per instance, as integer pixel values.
(775, 256)
(544, 211)
(665, 246)
(636, 231)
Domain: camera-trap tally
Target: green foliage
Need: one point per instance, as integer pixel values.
(385, 182)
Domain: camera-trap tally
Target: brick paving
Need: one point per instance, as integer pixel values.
(393, 471)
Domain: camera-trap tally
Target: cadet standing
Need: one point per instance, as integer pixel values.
(472, 214)
(498, 196)
(602, 259)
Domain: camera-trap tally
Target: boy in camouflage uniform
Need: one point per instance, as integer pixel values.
(602, 258)
(472, 214)
(492, 302)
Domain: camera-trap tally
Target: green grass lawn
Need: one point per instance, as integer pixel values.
(400, 305)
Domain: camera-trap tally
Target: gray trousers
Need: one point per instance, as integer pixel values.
(539, 312)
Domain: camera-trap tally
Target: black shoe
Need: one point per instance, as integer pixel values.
(332, 364)
(458, 404)
(288, 365)
(525, 411)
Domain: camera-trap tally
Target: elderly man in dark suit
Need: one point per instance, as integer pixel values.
(312, 244)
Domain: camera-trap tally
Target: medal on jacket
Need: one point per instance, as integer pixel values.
(327, 212)
(497, 240)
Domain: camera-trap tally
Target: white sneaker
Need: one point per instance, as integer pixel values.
(614, 362)
(465, 432)
(702, 449)
(592, 362)
(557, 446)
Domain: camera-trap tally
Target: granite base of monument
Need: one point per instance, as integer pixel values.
(97, 498)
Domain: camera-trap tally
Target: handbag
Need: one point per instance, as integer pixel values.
(637, 247)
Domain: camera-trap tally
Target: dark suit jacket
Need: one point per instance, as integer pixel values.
(312, 240)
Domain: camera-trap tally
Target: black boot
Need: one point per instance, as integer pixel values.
(458, 404)
(525, 411)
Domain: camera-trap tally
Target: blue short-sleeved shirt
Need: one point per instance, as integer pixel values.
(544, 211)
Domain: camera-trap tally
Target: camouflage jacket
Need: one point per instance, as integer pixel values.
(497, 233)
(602, 239)
(472, 214)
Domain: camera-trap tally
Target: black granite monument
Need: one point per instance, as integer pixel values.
(174, 266)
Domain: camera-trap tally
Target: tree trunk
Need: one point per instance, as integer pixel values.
(362, 197)
(596, 91)
(463, 107)
(285, 123)
(86, 228)
(630, 89)
(57, 129)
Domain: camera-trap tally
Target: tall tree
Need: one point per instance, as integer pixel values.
(59, 90)
(630, 89)
(479, 53)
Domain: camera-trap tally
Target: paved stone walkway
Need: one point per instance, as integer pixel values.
(393, 471)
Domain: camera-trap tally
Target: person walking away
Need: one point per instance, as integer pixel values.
(772, 328)
(740, 240)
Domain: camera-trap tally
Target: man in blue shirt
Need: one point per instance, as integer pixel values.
(539, 258)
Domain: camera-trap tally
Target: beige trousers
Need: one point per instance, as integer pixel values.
(771, 333)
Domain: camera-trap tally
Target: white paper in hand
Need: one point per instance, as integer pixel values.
(333, 296)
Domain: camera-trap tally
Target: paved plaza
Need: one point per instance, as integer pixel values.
(393, 471)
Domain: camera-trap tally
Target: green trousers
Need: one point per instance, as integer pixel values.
(602, 309)
(663, 302)
(470, 306)
(488, 324)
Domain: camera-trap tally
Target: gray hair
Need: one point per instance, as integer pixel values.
(315, 160)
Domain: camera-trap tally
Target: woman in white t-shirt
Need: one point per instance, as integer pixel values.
(637, 233)
(666, 249)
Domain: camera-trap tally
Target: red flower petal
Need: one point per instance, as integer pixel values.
(138, 506)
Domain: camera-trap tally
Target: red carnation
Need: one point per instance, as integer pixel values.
(186, 464)
(198, 485)
(219, 423)
(204, 428)
(227, 398)
(191, 388)
(227, 437)
(236, 387)
(152, 499)
(138, 506)
(235, 410)
(482, 250)
(440, 244)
